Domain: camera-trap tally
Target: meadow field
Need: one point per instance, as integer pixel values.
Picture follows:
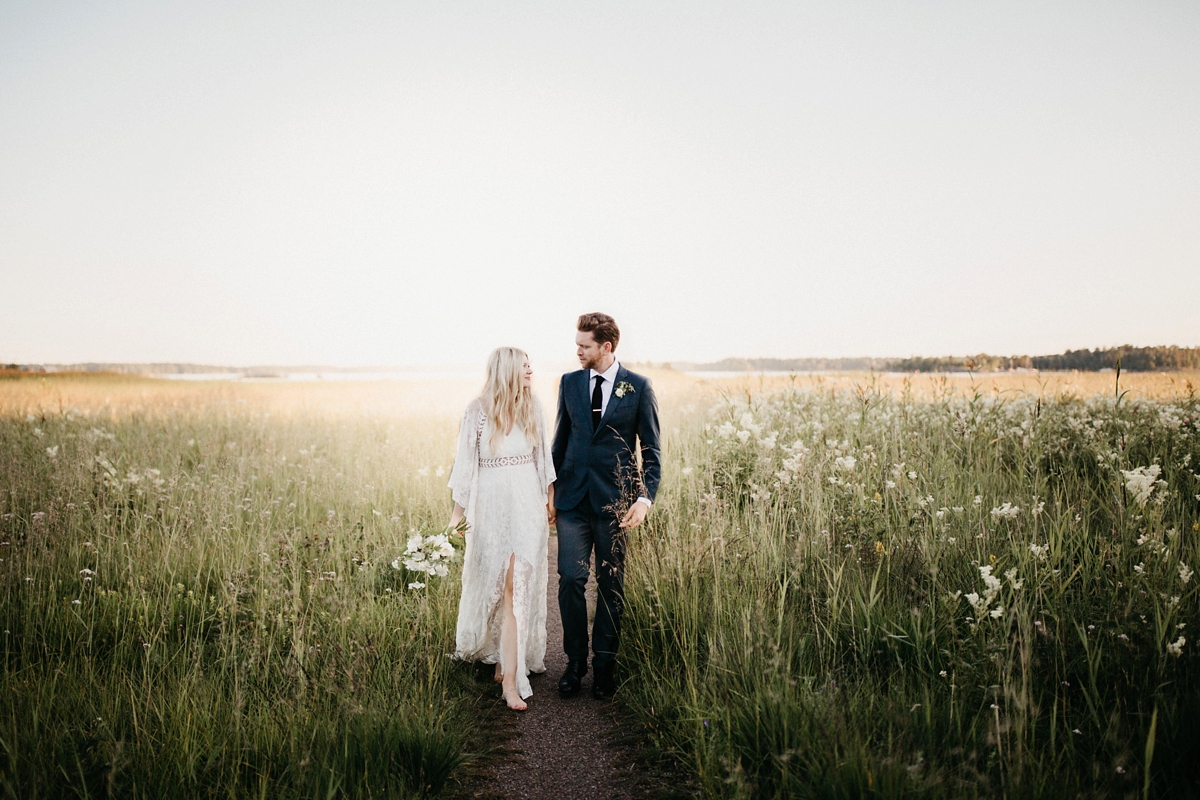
(850, 586)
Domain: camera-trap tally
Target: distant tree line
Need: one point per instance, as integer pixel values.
(1133, 359)
(787, 365)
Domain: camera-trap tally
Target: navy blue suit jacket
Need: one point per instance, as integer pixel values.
(601, 465)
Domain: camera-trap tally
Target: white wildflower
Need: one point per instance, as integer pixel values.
(52, 451)
(845, 463)
(1175, 648)
(686, 471)
(978, 500)
(1185, 572)
(979, 604)
(1006, 511)
(1141, 482)
(416, 585)
(1039, 551)
(1011, 576)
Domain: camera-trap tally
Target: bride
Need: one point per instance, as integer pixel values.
(503, 485)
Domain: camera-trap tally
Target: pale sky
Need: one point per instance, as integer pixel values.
(415, 183)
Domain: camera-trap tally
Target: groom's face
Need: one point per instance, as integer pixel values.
(591, 354)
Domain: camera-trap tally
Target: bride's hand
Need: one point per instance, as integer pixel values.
(551, 513)
(457, 517)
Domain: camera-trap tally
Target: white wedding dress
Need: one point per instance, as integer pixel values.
(504, 494)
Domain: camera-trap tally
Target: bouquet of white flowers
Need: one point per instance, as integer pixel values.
(428, 554)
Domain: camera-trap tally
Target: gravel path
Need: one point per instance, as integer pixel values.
(561, 748)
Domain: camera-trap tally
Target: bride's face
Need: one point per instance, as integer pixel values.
(526, 374)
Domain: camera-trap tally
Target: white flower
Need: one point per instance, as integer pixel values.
(1011, 575)
(1141, 482)
(990, 581)
(1185, 572)
(845, 463)
(747, 422)
(1006, 511)
(997, 612)
(890, 484)
(912, 476)
(38, 432)
(743, 436)
(85, 571)
(726, 430)
(979, 604)
(52, 451)
(1175, 648)
(1040, 551)
(978, 500)
(423, 472)
(439, 472)
(686, 471)
(416, 585)
(1139, 568)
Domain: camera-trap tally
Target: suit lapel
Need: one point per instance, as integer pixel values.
(613, 400)
(583, 397)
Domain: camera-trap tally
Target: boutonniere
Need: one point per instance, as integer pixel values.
(623, 388)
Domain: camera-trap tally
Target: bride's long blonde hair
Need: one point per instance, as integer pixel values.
(507, 401)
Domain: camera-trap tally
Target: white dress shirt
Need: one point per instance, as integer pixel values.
(610, 378)
(606, 390)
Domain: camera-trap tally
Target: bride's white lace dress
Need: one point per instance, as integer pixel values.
(504, 494)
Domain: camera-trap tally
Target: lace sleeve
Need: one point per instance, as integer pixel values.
(466, 459)
(541, 449)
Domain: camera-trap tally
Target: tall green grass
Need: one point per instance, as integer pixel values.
(798, 622)
(197, 601)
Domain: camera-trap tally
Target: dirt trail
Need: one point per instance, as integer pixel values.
(562, 746)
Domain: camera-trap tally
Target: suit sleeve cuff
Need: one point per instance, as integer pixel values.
(645, 500)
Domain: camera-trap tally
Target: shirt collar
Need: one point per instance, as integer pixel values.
(609, 374)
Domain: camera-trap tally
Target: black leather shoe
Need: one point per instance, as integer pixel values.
(569, 682)
(603, 684)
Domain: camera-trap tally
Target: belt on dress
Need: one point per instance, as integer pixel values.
(506, 461)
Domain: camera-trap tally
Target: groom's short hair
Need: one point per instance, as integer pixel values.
(602, 327)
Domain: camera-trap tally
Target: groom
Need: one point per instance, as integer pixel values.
(606, 414)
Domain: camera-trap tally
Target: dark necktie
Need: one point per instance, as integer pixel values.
(597, 403)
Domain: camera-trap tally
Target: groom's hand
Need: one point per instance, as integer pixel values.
(635, 515)
(551, 514)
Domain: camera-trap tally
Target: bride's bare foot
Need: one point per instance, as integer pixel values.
(499, 676)
(513, 699)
